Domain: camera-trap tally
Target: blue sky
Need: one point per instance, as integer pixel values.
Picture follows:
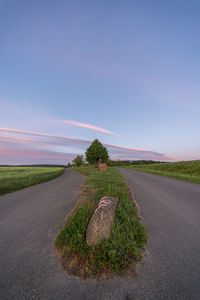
(130, 68)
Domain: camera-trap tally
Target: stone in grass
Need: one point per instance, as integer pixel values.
(102, 167)
(100, 225)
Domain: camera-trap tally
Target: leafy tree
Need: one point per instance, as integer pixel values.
(95, 150)
(78, 161)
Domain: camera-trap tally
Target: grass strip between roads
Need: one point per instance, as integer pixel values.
(16, 178)
(184, 170)
(127, 237)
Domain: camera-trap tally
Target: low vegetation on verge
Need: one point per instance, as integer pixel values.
(122, 163)
(16, 178)
(183, 170)
(127, 237)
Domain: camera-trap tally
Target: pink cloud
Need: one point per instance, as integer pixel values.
(40, 134)
(127, 148)
(88, 126)
(9, 106)
(13, 155)
(22, 140)
(170, 157)
(16, 140)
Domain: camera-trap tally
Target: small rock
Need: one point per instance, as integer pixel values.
(100, 225)
(102, 167)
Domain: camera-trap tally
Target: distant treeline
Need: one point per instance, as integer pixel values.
(117, 163)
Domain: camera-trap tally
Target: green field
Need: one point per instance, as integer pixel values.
(184, 170)
(127, 237)
(15, 178)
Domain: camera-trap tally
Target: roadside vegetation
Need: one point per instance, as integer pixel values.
(127, 238)
(184, 170)
(122, 163)
(16, 178)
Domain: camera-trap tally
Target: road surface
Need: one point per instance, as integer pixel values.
(29, 224)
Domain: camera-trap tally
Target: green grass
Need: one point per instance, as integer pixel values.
(15, 178)
(127, 237)
(184, 170)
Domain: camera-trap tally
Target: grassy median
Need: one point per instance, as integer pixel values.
(183, 170)
(127, 237)
(16, 178)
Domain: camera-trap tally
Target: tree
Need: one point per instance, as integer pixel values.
(78, 161)
(95, 150)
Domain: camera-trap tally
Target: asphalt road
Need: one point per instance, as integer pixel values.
(29, 224)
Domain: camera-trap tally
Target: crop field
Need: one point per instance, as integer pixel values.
(15, 178)
(184, 170)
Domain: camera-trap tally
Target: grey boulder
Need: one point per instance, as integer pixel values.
(100, 225)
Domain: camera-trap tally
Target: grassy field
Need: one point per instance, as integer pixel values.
(184, 170)
(15, 178)
(128, 234)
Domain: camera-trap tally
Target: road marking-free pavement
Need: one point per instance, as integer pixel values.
(29, 224)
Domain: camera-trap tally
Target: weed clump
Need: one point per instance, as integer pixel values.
(73, 233)
(127, 237)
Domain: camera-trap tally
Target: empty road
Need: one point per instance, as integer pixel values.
(171, 213)
(29, 224)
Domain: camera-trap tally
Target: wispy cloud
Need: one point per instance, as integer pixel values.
(88, 126)
(10, 155)
(7, 105)
(41, 134)
(30, 142)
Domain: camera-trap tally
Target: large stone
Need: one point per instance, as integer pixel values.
(100, 225)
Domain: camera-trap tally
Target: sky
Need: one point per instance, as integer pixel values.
(124, 72)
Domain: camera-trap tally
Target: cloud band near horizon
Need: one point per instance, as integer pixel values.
(30, 143)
